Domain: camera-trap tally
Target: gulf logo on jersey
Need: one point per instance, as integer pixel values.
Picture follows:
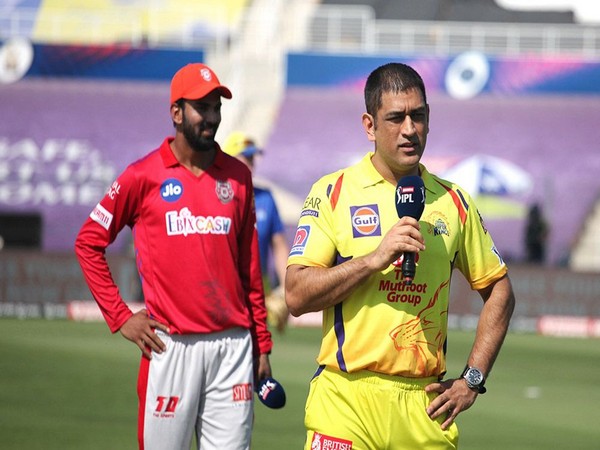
(171, 189)
(300, 240)
(365, 221)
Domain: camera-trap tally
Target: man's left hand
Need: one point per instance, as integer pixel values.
(454, 397)
(262, 368)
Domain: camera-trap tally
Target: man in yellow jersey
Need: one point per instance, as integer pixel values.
(380, 383)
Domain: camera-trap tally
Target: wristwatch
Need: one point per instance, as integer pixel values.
(474, 378)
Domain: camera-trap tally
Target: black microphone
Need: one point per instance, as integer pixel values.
(410, 201)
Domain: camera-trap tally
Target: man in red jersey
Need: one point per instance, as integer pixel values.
(203, 333)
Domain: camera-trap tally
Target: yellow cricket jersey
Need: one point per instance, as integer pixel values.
(386, 326)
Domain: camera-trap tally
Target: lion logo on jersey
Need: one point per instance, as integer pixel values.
(421, 336)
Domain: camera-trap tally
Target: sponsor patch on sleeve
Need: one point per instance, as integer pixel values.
(309, 212)
(300, 240)
(101, 216)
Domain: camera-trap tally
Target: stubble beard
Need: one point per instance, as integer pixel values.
(194, 137)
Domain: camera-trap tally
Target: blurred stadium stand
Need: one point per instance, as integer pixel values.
(177, 23)
(395, 27)
(456, 10)
(247, 42)
(336, 25)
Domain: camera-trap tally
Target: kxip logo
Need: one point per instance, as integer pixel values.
(171, 189)
(224, 191)
(205, 73)
(365, 221)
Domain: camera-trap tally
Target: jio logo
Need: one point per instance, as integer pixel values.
(171, 189)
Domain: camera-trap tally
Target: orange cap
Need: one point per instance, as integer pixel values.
(195, 81)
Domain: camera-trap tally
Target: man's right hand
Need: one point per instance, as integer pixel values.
(404, 236)
(139, 329)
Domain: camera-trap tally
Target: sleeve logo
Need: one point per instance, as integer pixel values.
(101, 216)
(300, 240)
(113, 190)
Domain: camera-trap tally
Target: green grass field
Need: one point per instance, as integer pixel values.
(66, 385)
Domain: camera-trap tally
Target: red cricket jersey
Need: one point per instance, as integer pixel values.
(196, 246)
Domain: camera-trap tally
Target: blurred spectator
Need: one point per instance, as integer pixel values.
(536, 235)
(271, 232)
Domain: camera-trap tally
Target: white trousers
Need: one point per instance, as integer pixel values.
(201, 382)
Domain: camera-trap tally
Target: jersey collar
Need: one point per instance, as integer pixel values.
(431, 184)
(372, 177)
(166, 153)
(169, 159)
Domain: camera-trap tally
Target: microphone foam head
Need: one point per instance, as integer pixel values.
(410, 197)
(271, 393)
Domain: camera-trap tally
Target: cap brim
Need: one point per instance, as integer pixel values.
(201, 92)
(225, 92)
(251, 151)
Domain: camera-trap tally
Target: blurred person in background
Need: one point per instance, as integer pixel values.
(203, 333)
(536, 235)
(271, 231)
(381, 381)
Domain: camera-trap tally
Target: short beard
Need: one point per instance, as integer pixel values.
(195, 139)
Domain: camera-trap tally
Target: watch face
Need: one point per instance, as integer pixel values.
(474, 377)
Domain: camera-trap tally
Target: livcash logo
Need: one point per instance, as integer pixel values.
(171, 190)
(183, 222)
(166, 406)
(242, 392)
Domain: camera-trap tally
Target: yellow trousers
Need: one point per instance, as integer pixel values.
(368, 411)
